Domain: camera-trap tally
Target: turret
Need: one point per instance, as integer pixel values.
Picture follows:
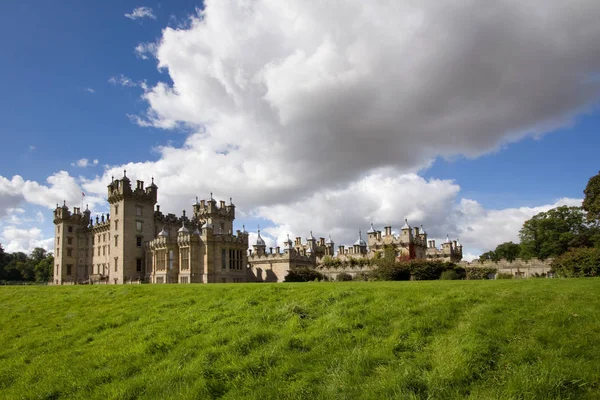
(311, 242)
(260, 245)
(360, 246)
(329, 247)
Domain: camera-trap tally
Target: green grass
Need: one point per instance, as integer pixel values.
(520, 339)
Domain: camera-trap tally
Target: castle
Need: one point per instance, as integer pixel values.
(411, 243)
(136, 242)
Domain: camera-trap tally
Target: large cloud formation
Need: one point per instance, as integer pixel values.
(324, 112)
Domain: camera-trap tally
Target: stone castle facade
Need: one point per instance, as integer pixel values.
(136, 242)
(411, 243)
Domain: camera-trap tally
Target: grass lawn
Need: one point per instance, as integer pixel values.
(521, 339)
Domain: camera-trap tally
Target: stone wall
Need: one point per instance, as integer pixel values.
(518, 267)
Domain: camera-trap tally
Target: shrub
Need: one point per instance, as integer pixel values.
(304, 274)
(449, 275)
(343, 277)
(504, 275)
(361, 276)
(581, 262)
(393, 272)
(475, 273)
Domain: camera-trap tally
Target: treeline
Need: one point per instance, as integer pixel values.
(568, 235)
(20, 267)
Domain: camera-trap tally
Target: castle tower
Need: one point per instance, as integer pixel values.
(219, 217)
(70, 234)
(329, 247)
(406, 233)
(132, 224)
(447, 247)
(311, 243)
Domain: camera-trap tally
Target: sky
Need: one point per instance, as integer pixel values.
(465, 117)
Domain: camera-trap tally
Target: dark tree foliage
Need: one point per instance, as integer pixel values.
(303, 274)
(551, 233)
(16, 267)
(415, 269)
(591, 201)
(508, 250)
(576, 263)
(488, 256)
(343, 277)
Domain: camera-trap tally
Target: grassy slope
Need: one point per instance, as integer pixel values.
(483, 339)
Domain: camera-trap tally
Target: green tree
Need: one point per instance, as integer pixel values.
(508, 251)
(43, 270)
(2, 261)
(551, 233)
(578, 263)
(591, 201)
(488, 256)
(14, 266)
(389, 256)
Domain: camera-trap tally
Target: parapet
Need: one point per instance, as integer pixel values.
(121, 189)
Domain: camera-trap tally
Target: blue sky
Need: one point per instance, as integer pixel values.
(59, 106)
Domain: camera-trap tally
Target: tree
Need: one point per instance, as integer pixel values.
(578, 263)
(44, 269)
(551, 233)
(488, 256)
(591, 201)
(508, 251)
(2, 261)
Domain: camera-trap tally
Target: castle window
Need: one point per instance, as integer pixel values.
(104, 237)
(170, 259)
(98, 250)
(103, 250)
(116, 240)
(69, 252)
(223, 263)
(58, 241)
(138, 226)
(116, 264)
(57, 252)
(69, 240)
(69, 268)
(138, 264)
(138, 211)
(138, 241)
(70, 229)
(185, 259)
(116, 210)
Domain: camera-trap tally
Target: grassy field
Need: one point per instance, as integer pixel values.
(530, 339)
